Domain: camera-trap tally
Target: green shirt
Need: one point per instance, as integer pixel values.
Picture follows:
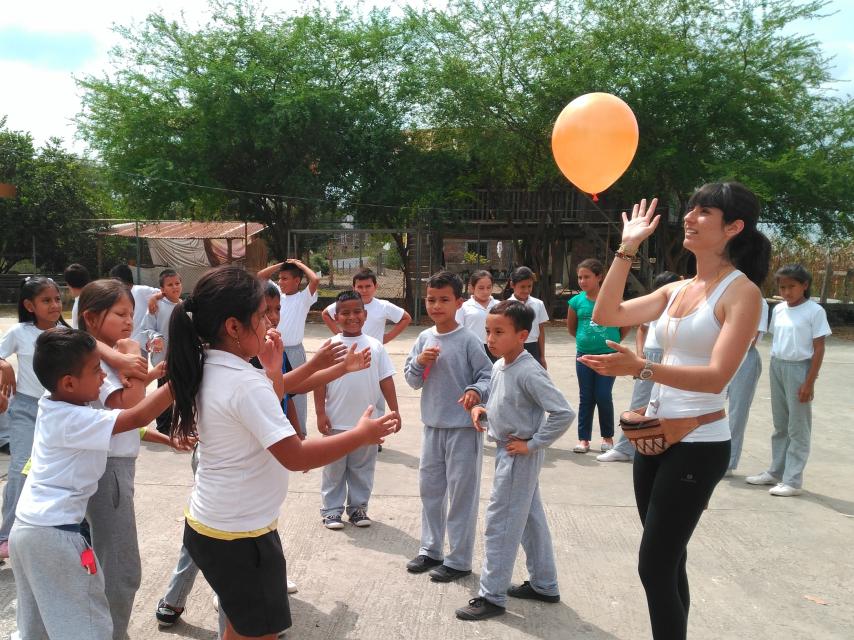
(590, 337)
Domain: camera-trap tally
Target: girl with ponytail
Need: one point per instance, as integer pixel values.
(705, 326)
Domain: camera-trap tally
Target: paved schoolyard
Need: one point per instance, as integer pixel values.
(760, 566)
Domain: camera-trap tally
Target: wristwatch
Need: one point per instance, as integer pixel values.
(646, 372)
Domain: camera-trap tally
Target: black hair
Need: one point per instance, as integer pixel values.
(167, 273)
(476, 277)
(122, 272)
(99, 296)
(442, 279)
(76, 275)
(291, 268)
(798, 273)
(271, 291)
(750, 250)
(345, 296)
(593, 265)
(663, 278)
(364, 274)
(522, 316)
(30, 289)
(222, 293)
(521, 273)
(60, 352)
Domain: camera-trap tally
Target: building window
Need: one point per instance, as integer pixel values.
(480, 248)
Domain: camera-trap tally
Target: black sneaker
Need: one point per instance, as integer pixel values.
(526, 591)
(479, 609)
(445, 573)
(360, 518)
(333, 522)
(167, 615)
(422, 563)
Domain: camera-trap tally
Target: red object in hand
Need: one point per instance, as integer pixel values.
(87, 561)
(427, 372)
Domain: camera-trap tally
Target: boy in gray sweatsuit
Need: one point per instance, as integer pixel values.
(520, 395)
(448, 363)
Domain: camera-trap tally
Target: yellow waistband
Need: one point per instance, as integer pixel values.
(218, 534)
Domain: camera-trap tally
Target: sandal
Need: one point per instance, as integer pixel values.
(583, 446)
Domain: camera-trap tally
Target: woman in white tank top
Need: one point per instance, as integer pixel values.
(705, 326)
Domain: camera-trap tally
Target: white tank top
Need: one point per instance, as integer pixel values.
(688, 341)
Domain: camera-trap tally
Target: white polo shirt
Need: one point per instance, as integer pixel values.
(472, 315)
(378, 312)
(540, 316)
(20, 340)
(122, 445)
(795, 328)
(239, 485)
(294, 312)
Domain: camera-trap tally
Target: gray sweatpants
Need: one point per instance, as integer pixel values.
(515, 515)
(185, 572)
(790, 442)
(296, 357)
(449, 479)
(22, 426)
(741, 391)
(348, 480)
(56, 597)
(641, 393)
(113, 523)
(4, 428)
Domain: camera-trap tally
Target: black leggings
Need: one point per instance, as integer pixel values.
(672, 490)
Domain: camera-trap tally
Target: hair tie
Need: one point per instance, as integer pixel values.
(189, 304)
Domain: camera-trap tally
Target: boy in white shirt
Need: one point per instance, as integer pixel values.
(58, 578)
(296, 304)
(339, 405)
(522, 283)
(76, 277)
(141, 293)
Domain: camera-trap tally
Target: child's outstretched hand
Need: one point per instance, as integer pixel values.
(270, 355)
(157, 371)
(469, 399)
(357, 360)
(155, 345)
(428, 356)
(330, 353)
(517, 447)
(374, 430)
(184, 445)
(478, 414)
(7, 379)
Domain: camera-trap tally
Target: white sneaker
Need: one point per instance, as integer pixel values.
(292, 587)
(762, 478)
(613, 456)
(216, 602)
(785, 491)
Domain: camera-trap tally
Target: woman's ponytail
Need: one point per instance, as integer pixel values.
(185, 362)
(750, 253)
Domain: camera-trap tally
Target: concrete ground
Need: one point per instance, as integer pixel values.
(760, 566)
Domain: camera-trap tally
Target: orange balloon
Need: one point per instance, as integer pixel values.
(594, 140)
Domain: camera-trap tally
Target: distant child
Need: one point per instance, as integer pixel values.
(339, 406)
(799, 326)
(76, 277)
(520, 394)
(522, 283)
(156, 323)
(647, 347)
(594, 388)
(39, 309)
(472, 315)
(295, 307)
(141, 294)
(57, 597)
(378, 311)
(448, 363)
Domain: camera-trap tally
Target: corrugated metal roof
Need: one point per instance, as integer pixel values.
(182, 230)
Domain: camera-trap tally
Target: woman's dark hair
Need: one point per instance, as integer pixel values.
(750, 250)
(477, 276)
(99, 296)
(593, 265)
(30, 289)
(122, 272)
(798, 273)
(663, 278)
(521, 273)
(522, 316)
(222, 293)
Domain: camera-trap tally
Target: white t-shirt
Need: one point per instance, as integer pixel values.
(348, 396)
(69, 457)
(20, 340)
(239, 485)
(378, 312)
(472, 315)
(74, 321)
(294, 312)
(795, 328)
(540, 316)
(141, 293)
(122, 445)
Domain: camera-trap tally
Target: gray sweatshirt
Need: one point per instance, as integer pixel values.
(520, 395)
(462, 365)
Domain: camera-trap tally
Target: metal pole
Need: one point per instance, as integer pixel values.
(416, 312)
(138, 255)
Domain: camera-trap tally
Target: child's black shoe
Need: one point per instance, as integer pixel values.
(167, 615)
(526, 591)
(479, 609)
(422, 563)
(447, 574)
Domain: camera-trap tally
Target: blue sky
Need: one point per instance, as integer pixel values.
(45, 43)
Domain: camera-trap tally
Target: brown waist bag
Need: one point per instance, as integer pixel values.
(652, 436)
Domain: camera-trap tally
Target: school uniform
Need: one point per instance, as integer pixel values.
(57, 598)
(532, 344)
(794, 329)
(141, 293)
(472, 316)
(20, 340)
(157, 326)
(292, 327)
(520, 394)
(112, 518)
(451, 449)
(351, 479)
(75, 320)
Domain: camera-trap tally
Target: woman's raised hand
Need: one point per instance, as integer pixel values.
(328, 354)
(641, 224)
